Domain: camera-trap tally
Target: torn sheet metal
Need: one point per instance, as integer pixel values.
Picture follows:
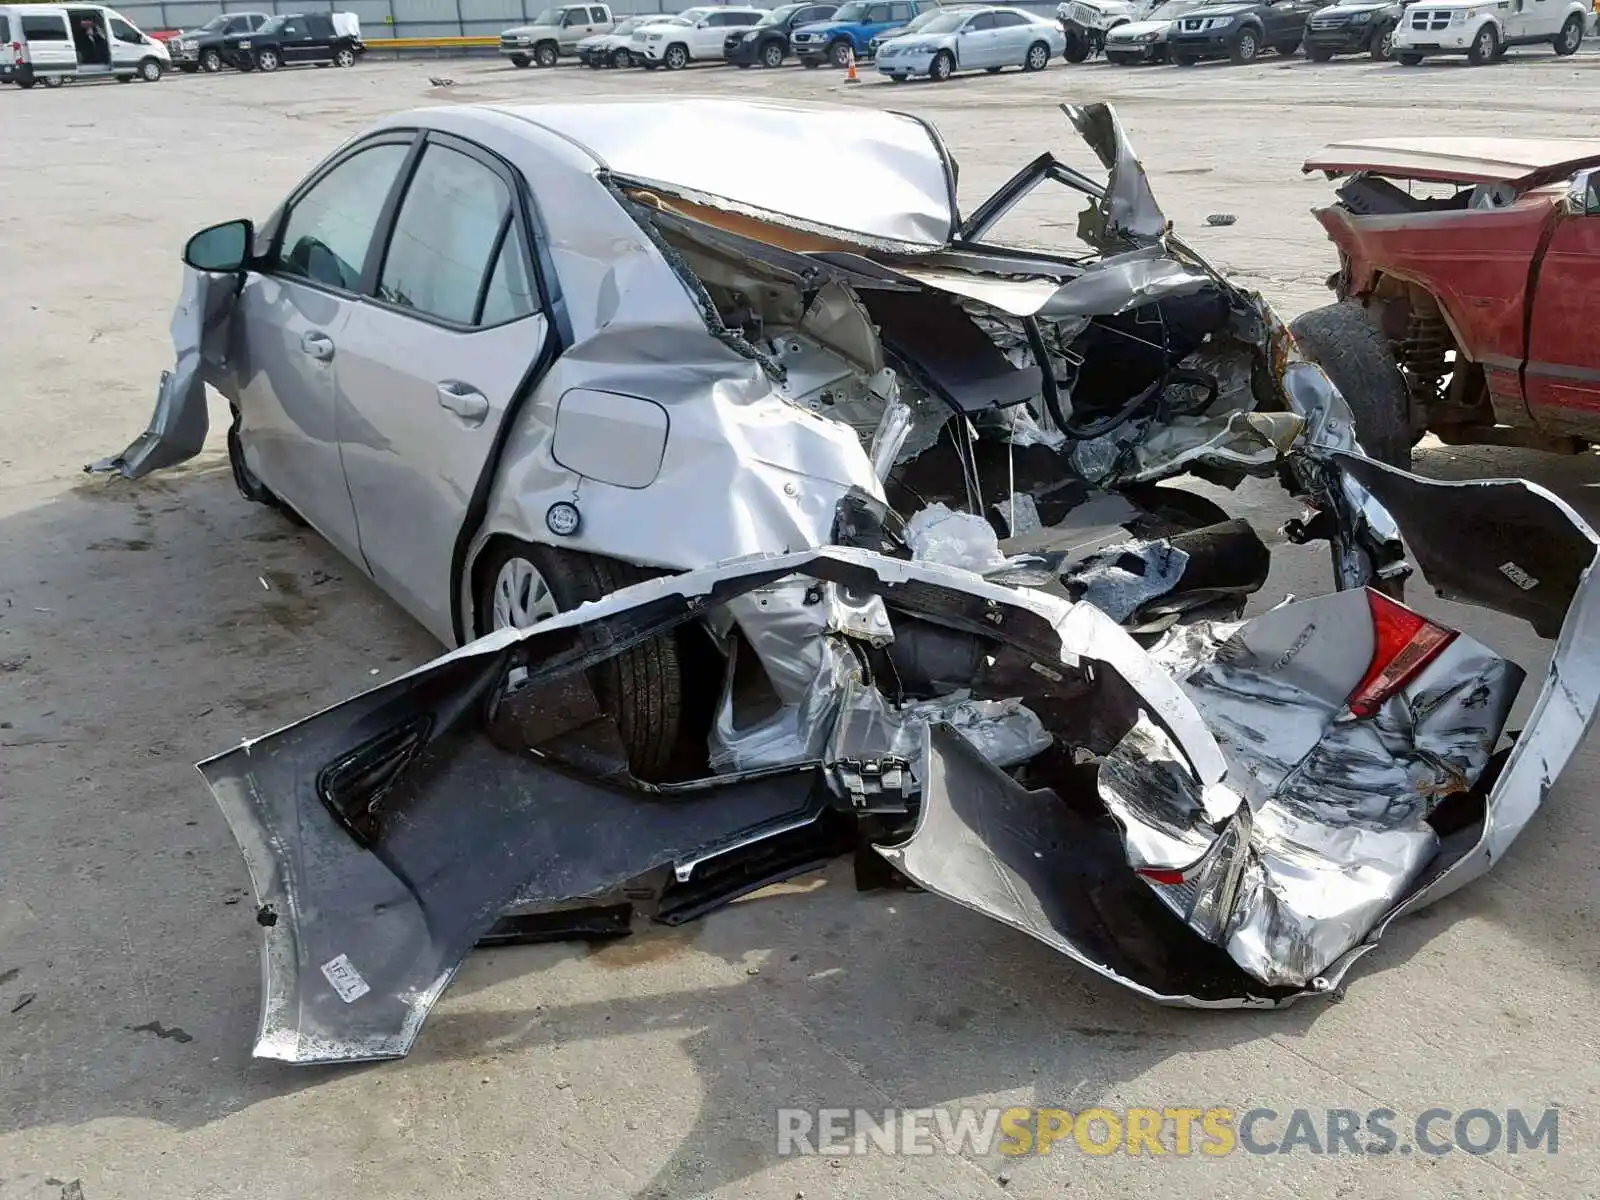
(178, 428)
(1123, 579)
(940, 535)
(1128, 213)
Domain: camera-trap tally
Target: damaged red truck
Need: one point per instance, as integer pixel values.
(1467, 306)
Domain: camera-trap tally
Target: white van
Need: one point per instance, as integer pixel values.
(75, 41)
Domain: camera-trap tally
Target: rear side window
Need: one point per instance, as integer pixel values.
(320, 25)
(5, 29)
(44, 29)
(330, 228)
(294, 27)
(446, 237)
(1005, 20)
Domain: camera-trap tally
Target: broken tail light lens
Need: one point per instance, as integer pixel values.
(1406, 642)
(1161, 875)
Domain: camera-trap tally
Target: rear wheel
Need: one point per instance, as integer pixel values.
(26, 81)
(1348, 344)
(1485, 46)
(772, 55)
(1038, 57)
(942, 66)
(1246, 46)
(53, 81)
(268, 61)
(344, 57)
(210, 61)
(522, 584)
(545, 54)
(839, 53)
(150, 70)
(1570, 37)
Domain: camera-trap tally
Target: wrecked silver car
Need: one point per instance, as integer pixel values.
(797, 519)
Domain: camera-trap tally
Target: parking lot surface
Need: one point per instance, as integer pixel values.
(146, 625)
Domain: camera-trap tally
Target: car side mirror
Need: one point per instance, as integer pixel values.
(1583, 194)
(221, 249)
(703, 23)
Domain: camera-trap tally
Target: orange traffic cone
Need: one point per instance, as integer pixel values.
(850, 74)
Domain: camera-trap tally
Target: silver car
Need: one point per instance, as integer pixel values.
(986, 40)
(799, 513)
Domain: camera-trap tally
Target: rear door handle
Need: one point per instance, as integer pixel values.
(317, 344)
(471, 405)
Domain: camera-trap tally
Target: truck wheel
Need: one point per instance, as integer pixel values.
(1078, 48)
(1348, 344)
(546, 53)
(772, 55)
(942, 66)
(1245, 47)
(344, 57)
(1570, 37)
(522, 584)
(150, 70)
(1382, 46)
(1485, 46)
(621, 58)
(267, 60)
(521, 60)
(839, 53)
(676, 58)
(210, 62)
(1409, 60)
(1038, 57)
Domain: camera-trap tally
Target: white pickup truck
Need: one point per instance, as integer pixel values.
(555, 33)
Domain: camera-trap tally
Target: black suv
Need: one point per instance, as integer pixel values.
(1352, 27)
(1240, 32)
(768, 42)
(200, 49)
(290, 39)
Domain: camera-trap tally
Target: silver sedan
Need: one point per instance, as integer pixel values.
(986, 40)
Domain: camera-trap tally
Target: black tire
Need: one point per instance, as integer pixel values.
(210, 62)
(1078, 48)
(1037, 58)
(344, 57)
(772, 54)
(55, 81)
(942, 67)
(267, 60)
(1348, 344)
(1485, 46)
(643, 687)
(676, 57)
(1571, 36)
(1318, 54)
(150, 70)
(621, 58)
(1287, 49)
(1409, 60)
(839, 53)
(1381, 48)
(521, 61)
(546, 54)
(1246, 46)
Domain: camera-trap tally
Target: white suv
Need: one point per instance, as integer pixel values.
(698, 39)
(1484, 29)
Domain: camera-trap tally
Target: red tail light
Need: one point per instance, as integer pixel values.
(1159, 875)
(1406, 643)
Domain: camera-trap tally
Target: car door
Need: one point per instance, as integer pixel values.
(975, 42)
(51, 49)
(1013, 34)
(127, 43)
(427, 368)
(1562, 374)
(291, 313)
(318, 43)
(881, 17)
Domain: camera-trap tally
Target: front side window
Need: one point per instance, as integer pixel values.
(900, 12)
(447, 231)
(329, 229)
(597, 16)
(294, 28)
(124, 32)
